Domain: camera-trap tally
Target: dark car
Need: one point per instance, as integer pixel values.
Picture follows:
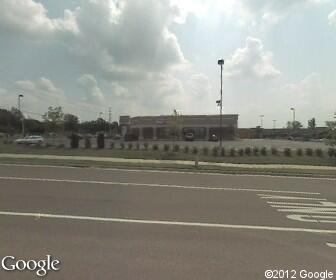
(189, 136)
(213, 138)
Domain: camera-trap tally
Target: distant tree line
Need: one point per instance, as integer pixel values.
(53, 121)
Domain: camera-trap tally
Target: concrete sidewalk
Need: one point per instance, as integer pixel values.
(158, 162)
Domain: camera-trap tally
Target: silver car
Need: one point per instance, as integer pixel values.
(32, 139)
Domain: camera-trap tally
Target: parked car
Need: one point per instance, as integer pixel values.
(32, 139)
(213, 137)
(189, 136)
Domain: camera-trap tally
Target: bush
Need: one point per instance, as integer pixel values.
(256, 151)
(186, 149)
(130, 146)
(61, 145)
(137, 146)
(319, 152)
(248, 151)
(232, 152)
(195, 150)
(274, 151)
(241, 152)
(299, 152)
(176, 148)
(331, 152)
(146, 145)
(155, 147)
(287, 152)
(205, 150)
(74, 141)
(122, 145)
(309, 151)
(166, 147)
(87, 143)
(222, 152)
(263, 151)
(112, 145)
(215, 151)
(100, 141)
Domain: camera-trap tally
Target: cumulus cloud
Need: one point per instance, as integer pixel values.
(92, 93)
(332, 18)
(251, 62)
(29, 18)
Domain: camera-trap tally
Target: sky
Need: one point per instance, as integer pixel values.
(149, 57)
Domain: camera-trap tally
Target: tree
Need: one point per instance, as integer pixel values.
(294, 125)
(71, 123)
(54, 118)
(331, 136)
(312, 123)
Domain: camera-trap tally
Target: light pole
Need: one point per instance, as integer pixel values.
(21, 115)
(221, 63)
(274, 124)
(293, 109)
(262, 121)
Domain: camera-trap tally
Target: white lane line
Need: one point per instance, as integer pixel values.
(332, 245)
(150, 185)
(163, 222)
(170, 171)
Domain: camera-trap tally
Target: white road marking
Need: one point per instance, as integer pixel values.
(151, 185)
(163, 222)
(321, 211)
(171, 171)
(332, 245)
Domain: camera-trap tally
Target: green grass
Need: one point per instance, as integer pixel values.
(161, 155)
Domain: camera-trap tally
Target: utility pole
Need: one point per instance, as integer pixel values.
(221, 63)
(110, 120)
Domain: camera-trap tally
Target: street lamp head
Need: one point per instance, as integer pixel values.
(292, 109)
(20, 95)
(220, 61)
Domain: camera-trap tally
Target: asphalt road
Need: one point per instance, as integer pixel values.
(128, 224)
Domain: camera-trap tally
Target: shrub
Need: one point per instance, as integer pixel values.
(137, 146)
(205, 150)
(176, 148)
(61, 145)
(299, 152)
(222, 152)
(195, 150)
(263, 151)
(130, 146)
(241, 152)
(155, 147)
(309, 151)
(248, 151)
(274, 151)
(74, 141)
(232, 152)
(287, 152)
(331, 152)
(112, 145)
(319, 152)
(146, 145)
(87, 143)
(215, 151)
(256, 151)
(100, 141)
(186, 149)
(166, 147)
(122, 145)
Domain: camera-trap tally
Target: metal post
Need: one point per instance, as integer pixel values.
(21, 115)
(221, 62)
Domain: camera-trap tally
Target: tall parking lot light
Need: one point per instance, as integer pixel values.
(221, 63)
(262, 121)
(293, 109)
(21, 115)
